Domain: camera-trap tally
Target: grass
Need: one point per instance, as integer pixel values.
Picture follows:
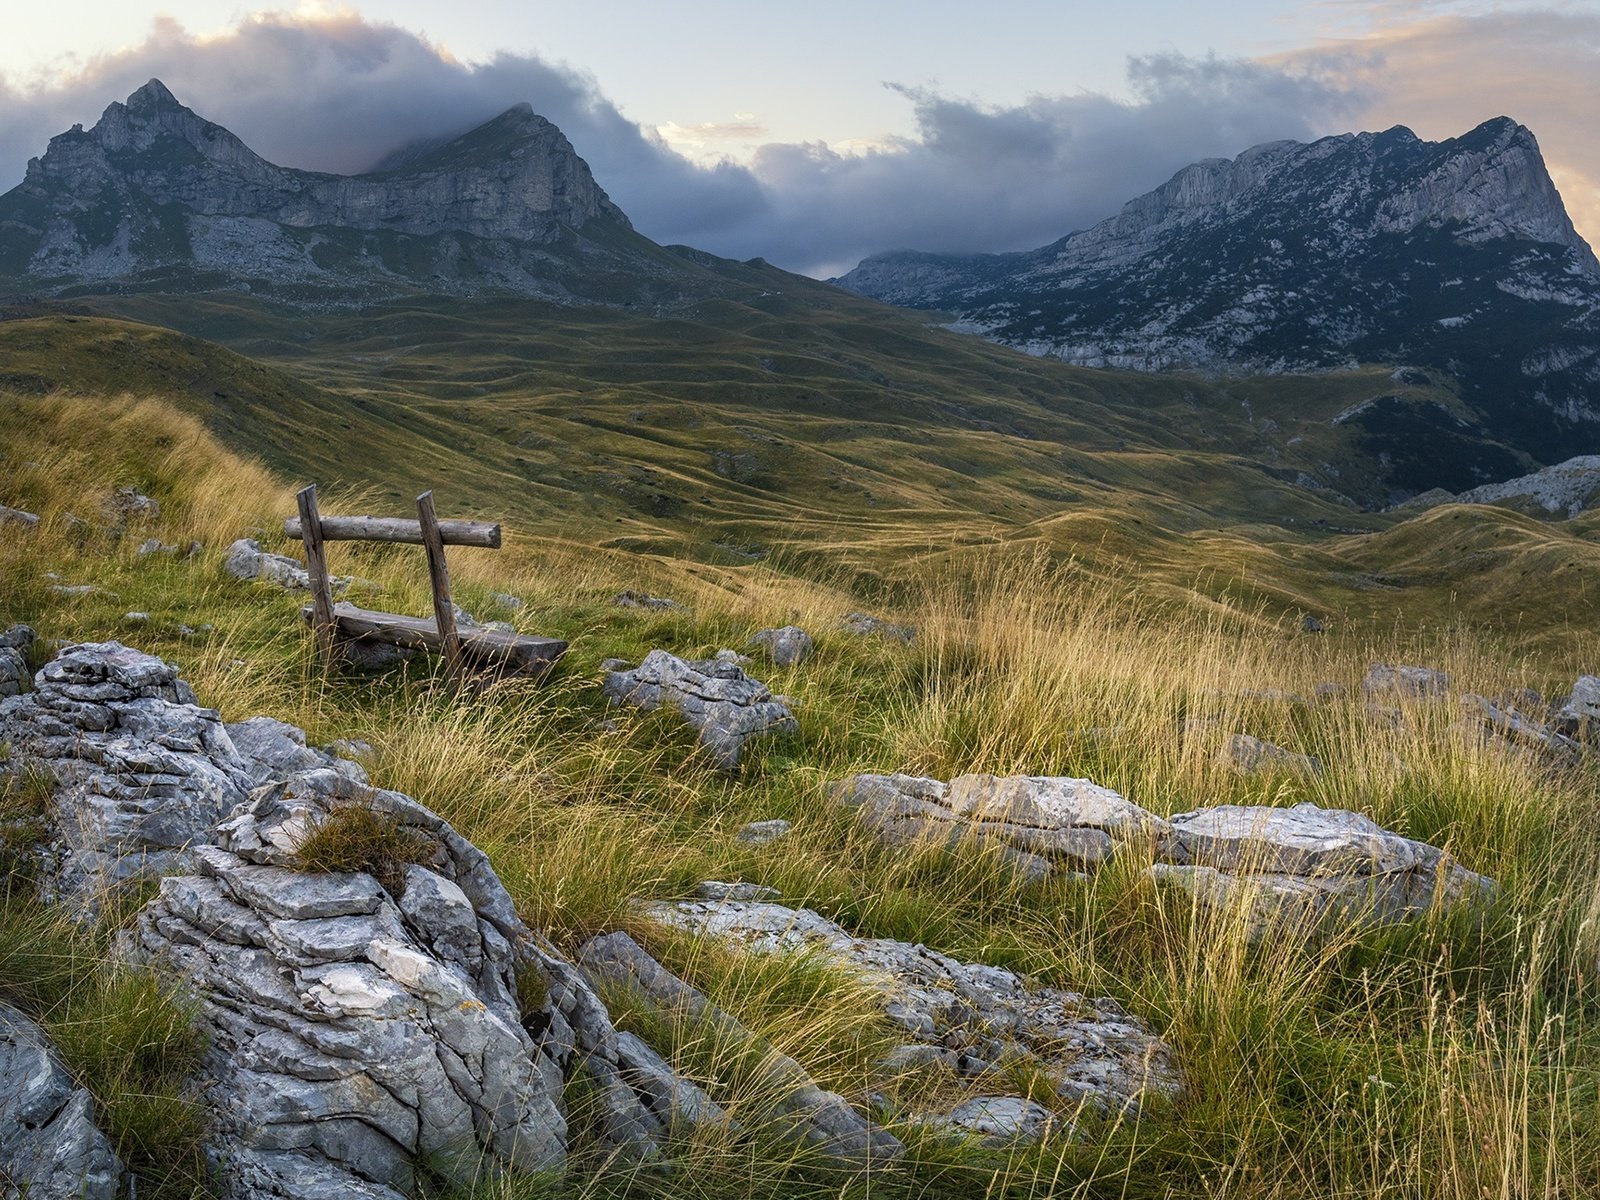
(355, 838)
(1456, 1057)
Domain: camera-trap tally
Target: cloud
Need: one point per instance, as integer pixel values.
(331, 90)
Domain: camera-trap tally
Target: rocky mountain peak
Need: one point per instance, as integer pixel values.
(1380, 247)
(154, 189)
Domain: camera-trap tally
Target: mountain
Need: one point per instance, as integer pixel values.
(156, 197)
(1456, 256)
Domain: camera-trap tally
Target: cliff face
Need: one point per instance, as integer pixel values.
(155, 188)
(1374, 247)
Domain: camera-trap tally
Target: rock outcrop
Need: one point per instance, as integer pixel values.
(1299, 859)
(363, 1025)
(15, 644)
(787, 647)
(1038, 823)
(50, 1147)
(727, 706)
(246, 559)
(142, 771)
(807, 1114)
(969, 1019)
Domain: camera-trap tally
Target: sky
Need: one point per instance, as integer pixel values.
(813, 134)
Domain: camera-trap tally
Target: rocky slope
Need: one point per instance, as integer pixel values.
(155, 195)
(1456, 255)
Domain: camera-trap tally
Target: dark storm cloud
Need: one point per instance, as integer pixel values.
(337, 93)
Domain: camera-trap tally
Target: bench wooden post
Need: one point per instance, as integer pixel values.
(322, 622)
(444, 613)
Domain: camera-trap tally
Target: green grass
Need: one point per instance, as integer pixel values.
(1454, 1058)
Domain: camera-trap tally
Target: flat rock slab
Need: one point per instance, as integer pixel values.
(1040, 824)
(1091, 1049)
(727, 706)
(1278, 859)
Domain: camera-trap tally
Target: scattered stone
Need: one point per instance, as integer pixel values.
(136, 618)
(998, 1120)
(760, 833)
(734, 657)
(26, 521)
(719, 699)
(787, 647)
(715, 889)
(50, 1147)
(1521, 730)
(507, 600)
(1418, 682)
(865, 625)
(614, 664)
(1256, 757)
(1040, 824)
(73, 590)
(247, 560)
(1581, 710)
(808, 1115)
(1090, 1050)
(1310, 624)
(1315, 860)
(155, 546)
(127, 505)
(637, 599)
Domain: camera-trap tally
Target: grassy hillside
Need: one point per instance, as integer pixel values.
(1451, 1059)
(808, 429)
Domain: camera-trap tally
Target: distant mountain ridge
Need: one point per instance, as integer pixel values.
(154, 192)
(1374, 247)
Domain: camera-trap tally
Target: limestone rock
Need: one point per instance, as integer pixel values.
(247, 560)
(761, 833)
(719, 699)
(1254, 756)
(1521, 730)
(998, 1120)
(637, 599)
(277, 750)
(865, 625)
(1330, 859)
(1039, 823)
(141, 770)
(16, 518)
(129, 506)
(807, 1114)
(716, 889)
(787, 647)
(50, 1147)
(1420, 682)
(1581, 709)
(1091, 1050)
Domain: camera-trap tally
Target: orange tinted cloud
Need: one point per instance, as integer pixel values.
(1442, 75)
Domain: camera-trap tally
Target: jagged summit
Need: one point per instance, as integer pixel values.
(154, 191)
(1365, 247)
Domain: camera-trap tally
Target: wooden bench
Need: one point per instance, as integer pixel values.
(483, 650)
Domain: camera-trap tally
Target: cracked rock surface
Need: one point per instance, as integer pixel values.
(50, 1147)
(975, 1018)
(142, 771)
(1274, 859)
(359, 1030)
(717, 698)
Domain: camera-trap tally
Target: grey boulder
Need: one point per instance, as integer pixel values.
(787, 647)
(50, 1147)
(727, 706)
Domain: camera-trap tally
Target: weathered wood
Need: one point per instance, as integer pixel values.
(444, 611)
(317, 569)
(398, 529)
(519, 652)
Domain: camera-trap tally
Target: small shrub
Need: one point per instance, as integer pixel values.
(357, 838)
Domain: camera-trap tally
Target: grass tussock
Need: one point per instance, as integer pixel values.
(1454, 1057)
(354, 838)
